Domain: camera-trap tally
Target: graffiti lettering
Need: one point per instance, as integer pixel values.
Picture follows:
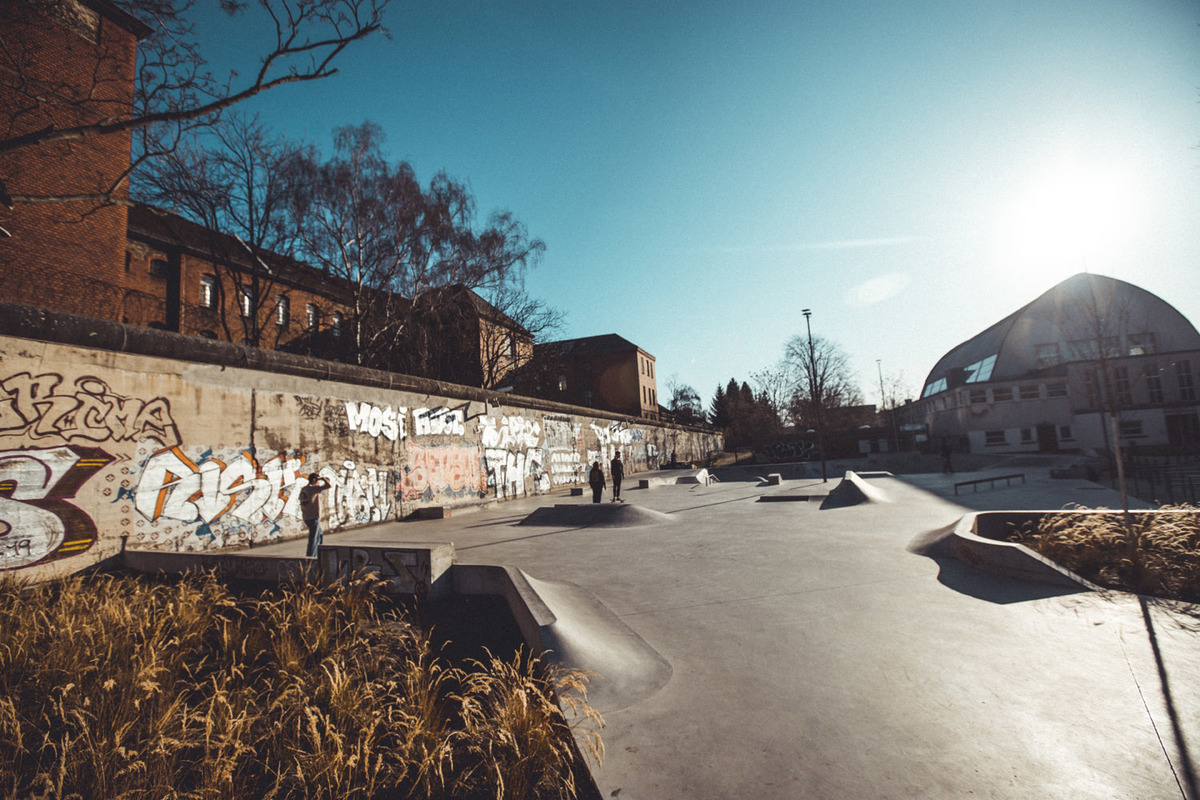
(566, 466)
(439, 421)
(38, 407)
(451, 471)
(509, 433)
(36, 521)
(173, 486)
(308, 407)
(359, 496)
(376, 421)
(515, 473)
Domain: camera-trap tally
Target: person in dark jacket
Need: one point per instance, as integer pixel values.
(618, 473)
(596, 480)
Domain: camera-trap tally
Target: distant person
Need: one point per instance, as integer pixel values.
(596, 479)
(947, 467)
(310, 510)
(618, 472)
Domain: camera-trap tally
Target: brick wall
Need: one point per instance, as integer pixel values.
(67, 256)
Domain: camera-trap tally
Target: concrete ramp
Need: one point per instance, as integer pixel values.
(852, 491)
(595, 515)
(587, 635)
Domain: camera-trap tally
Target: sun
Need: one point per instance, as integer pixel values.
(1070, 217)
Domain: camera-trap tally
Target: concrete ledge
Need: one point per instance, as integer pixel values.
(1007, 558)
(227, 566)
(774, 479)
(417, 569)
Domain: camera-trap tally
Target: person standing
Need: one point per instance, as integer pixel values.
(596, 480)
(618, 473)
(310, 510)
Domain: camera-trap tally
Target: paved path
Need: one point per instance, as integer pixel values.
(812, 655)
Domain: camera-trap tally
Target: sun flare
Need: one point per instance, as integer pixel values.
(1069, 217)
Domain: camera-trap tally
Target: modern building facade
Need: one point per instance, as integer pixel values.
(1090, 361)
(605, 372)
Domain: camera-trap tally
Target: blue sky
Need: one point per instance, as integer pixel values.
(702, 171)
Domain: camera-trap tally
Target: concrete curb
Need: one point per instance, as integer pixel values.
(1009, 559)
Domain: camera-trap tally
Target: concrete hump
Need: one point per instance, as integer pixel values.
(853, 491)
(586, 635)
(595, 515)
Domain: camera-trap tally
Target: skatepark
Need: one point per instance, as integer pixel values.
(791, 638)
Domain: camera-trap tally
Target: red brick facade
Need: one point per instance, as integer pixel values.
(67, 256)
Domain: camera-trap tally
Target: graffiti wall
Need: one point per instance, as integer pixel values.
(103, 451)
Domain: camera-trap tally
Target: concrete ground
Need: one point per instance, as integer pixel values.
(785, 651)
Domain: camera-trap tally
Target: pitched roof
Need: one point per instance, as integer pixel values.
(594, 345)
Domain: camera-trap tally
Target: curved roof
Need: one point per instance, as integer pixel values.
(1056, 327)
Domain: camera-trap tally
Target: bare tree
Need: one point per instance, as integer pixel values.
(234, 181)
(174, 90)
(399, 246)
(684, 402)
(820, 372)
(511, 323)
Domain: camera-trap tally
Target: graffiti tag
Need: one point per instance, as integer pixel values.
(36, 520)
(40, 406)
(453, 471)
(375, 421)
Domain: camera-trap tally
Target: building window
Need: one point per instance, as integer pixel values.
(1029, 392)
(1083, 349)
(246, 301)
(1002, 395)
(1091, 388)
(1121, 382)
(1130, 427)
(208, 291)
(283, 311)
(1064, 433)
(1047, 354)
(1183, 374)
(1026, 435)
(1142, 344)
(159, 267)
(981, 370)
(994, 438)
(1056, 390)
(312, 316)
(562, 383)
(335, 323)
(1154, 385)
(978, 396)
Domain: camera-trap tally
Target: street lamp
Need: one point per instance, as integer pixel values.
(814, 392)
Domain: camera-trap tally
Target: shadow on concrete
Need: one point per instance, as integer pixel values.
(968, 580)
(595, 515)
(1185, 773)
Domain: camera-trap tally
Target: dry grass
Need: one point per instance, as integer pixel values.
(1096, 546)
(116, 687)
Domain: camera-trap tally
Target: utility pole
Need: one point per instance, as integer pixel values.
(814, 391)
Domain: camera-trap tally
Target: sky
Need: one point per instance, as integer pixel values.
(702, 171)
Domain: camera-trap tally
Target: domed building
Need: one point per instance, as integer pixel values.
(1090, 359)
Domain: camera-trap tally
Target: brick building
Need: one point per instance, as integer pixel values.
(183, 277)
(606, 372)
(81, 55)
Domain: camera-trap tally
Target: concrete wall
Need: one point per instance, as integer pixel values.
(156, 441)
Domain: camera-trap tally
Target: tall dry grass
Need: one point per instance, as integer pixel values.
(1097, 546)
(120, 687)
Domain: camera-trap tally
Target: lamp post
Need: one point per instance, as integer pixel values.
(814, 391)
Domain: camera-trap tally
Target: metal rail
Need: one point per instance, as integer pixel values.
(1008, 479)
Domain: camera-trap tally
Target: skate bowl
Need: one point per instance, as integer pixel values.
(595, 515)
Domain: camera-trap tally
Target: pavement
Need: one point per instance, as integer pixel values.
(809, 650)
